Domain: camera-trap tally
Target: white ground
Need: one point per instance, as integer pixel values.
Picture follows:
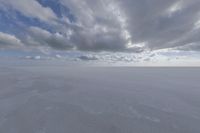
(53, 99)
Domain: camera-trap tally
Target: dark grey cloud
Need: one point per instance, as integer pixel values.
(98, 42)
(88, 57)
(41, 37)
(142, 24)
(160, 23)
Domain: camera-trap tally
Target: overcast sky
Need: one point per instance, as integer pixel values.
(131, 30)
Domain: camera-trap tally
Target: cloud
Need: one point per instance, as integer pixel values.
(120, 25)
(30, 8)
(190, 47)
(162, 24)
(117, 26)
(9, 41)
(100, 27)
(88, 57)
(40, 37)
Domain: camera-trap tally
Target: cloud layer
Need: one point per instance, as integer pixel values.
(9, 41)
(104, 25)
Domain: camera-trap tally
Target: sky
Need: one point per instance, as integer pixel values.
(140, 32)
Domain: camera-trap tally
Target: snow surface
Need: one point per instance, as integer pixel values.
(53, 99)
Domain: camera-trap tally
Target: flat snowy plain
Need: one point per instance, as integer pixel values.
(61, 99)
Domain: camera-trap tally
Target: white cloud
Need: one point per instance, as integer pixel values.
(30, 8)
(175, 7)
(9, 41)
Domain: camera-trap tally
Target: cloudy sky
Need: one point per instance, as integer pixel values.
(147, 31)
